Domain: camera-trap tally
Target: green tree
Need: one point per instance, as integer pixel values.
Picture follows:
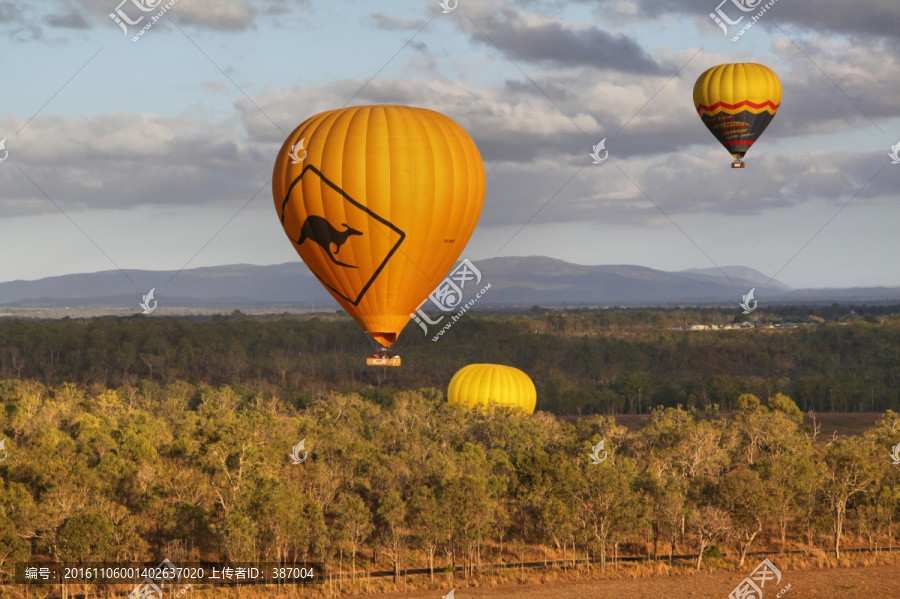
(12, 548)
(239, 533)
(355, 519)
(430, 526)
(710, 523)
(849, 470)
(86, 538)
(392, 514)
(607, 500)
(471, 509)
(745, 496)
(784, 404)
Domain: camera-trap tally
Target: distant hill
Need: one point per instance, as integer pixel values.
(739, 272)
(515, 281)
(539, 280)
(234, 285)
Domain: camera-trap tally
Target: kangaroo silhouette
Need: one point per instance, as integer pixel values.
(319, 230)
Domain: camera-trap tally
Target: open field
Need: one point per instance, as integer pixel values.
(872, 582)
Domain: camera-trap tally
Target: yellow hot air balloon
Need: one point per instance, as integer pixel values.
(379, 202)
(486, 384)
(737, 102)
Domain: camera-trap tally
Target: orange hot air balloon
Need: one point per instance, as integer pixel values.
(736, 103)
(379, 202)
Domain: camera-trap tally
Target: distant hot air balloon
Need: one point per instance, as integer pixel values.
(487, 384)
(380, 207)
(737, 102)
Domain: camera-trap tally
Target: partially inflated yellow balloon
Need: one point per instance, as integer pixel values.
(492, 384)
(379, 201)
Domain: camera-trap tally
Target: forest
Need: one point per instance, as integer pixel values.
(135, 439)
(582, 362)
(198, 473)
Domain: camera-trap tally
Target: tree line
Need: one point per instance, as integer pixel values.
(201, 472)
(582, 362)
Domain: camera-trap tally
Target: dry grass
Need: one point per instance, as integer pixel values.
(858, 576)
(865, 576)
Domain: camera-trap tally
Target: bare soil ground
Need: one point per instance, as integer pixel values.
(856, 582)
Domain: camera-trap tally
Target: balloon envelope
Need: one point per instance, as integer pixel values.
(737, 102)
(492, 384)
(379, 202)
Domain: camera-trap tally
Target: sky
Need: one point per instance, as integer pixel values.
(158, 153)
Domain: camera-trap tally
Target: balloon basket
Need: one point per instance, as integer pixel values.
(383, 359)
(738, 164)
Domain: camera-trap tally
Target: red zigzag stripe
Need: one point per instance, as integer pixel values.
(766, 104)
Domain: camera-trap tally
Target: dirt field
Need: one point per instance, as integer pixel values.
(872, 582)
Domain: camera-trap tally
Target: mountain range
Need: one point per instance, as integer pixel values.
(515, 281)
